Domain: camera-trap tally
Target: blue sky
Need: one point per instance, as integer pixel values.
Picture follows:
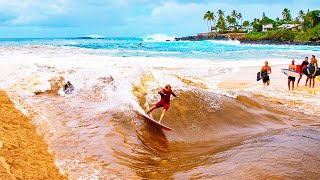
(127, 18)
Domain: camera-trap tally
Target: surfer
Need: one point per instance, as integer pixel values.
(304, 64)
(68, 88)
(264, 73)
(164, 102)
(292, 67)
(314, 65)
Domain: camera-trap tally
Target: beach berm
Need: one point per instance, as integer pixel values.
(23, 153)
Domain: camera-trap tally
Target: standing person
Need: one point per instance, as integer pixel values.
(313, 64)
(292, 67)
(264, 73)
(304, 64)
(164, 102)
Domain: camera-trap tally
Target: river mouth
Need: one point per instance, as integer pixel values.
(220, 131)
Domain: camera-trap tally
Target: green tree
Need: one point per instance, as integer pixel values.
(234, 14)
(301, 15)
(286, 15)
(240, 17)
(231, 21)
(245, 23)
(206, 17)
(312, 18)
(296, 21)
(257, 27)
(221, 24)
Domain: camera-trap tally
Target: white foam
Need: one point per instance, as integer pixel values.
(226, 42)
(158, 38)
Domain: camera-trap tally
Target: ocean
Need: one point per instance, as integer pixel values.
(225, 124)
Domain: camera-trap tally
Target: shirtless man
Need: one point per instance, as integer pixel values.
(292, 67)
(304, 64)
(264, 73)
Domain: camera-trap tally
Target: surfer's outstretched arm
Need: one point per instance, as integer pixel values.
(173, 94)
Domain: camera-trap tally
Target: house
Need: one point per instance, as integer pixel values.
(292, 27)
(214, 29)
(267, 27)
(247, 28)
(231, 28)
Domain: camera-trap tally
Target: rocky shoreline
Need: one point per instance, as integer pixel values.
(240, 37)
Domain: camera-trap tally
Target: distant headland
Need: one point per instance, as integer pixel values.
(303, 30)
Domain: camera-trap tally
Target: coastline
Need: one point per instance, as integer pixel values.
(23, 153)
(240, 37)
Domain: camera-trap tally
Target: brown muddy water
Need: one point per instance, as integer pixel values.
(214, 137)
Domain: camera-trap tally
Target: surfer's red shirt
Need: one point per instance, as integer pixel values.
(165, 98)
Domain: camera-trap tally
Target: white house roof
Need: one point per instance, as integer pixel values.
(289, 26)
(270, 25)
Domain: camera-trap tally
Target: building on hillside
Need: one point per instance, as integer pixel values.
(231, 28)
(247, 28)
(214, 29)
(267, 27)
(292, 27)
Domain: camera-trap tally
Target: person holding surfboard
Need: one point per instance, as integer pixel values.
(292, 67)
(164, 102)
(264, 73)
(314, 65)
(304, 64)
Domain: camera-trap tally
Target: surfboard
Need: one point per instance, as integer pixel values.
(258, 76)
(298, 68)
(290, 73)
(310, 70)
(155, 122)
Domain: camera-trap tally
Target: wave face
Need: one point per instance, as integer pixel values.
(158, 38)
(219, 131)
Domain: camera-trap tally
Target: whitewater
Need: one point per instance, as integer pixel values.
(226, 125)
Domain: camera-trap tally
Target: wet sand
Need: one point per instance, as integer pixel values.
(23, 153)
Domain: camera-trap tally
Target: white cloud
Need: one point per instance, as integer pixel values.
(32, 11)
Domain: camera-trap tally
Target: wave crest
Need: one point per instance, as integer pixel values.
(158, 38)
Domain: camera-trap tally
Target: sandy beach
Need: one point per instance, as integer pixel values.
(246, 77)
(23, 153)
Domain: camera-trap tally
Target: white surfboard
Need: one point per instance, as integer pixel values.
(290, 73)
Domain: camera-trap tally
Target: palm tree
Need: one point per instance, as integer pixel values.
(240, 17)
(286, 15)
(234, 14)
(221, 22)
(211, 18)
(229, 20)
(206, 18)
(301, 15)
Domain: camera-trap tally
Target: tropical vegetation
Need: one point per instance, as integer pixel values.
(308, 23)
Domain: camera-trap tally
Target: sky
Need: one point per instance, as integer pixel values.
(128, 18)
